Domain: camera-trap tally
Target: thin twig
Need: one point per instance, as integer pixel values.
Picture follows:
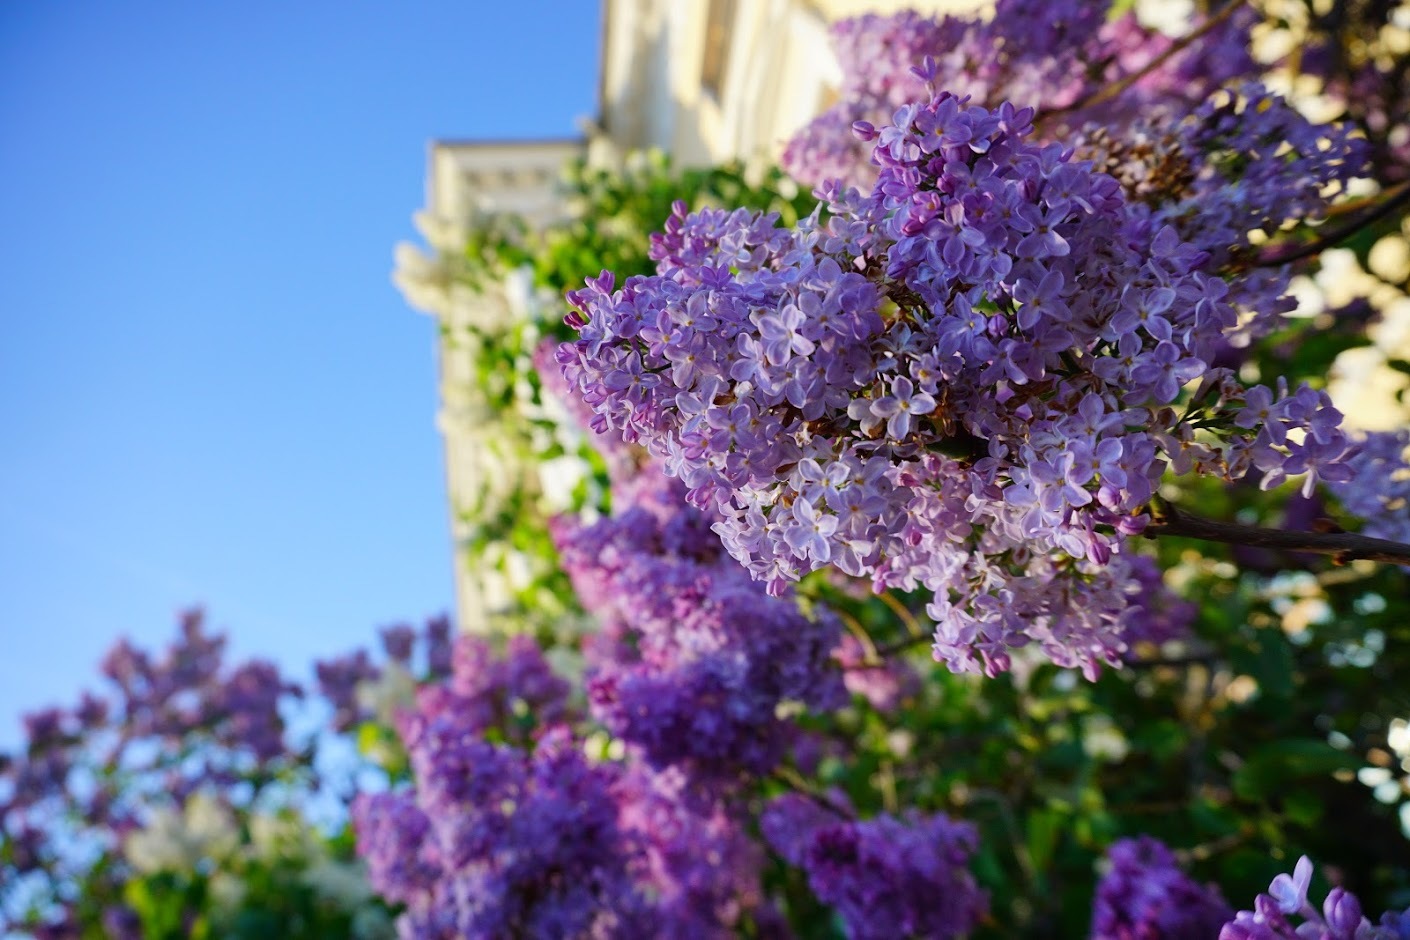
(1117, 87)
(900, 646)
(790, 778)
(1342, 546)
(870, 653)
(913, 626)
(1393, 198)
(1199, 853)
(1010, 822)
(1353, 206)
(1189, 659)
(885, 782)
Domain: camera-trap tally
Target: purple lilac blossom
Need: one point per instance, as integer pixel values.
(495, 842)
(1340, 917)
(438, 647)
(703, 869)
(539, 841)
(188, 690)
(1379, 488)
(244, 710)
(1050, 55)
(620, 457)
(887, 876)
(398, 641)
(1349, 54)
(1162, 615)
(695, 659)
(1396, 924)
(1145, 896)
(1046, 323)
(1244, 161)
(338, 680)
(514, 693)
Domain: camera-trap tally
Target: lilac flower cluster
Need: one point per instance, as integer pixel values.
(498, 840)
(495, 842)
(339, 679)
(887, 877)
(1160, 615)
(695, 660)
(513, 693)
(172, 725)
(186, 690)
(963, 381)
(1145, 896)
(1050, 55)
(1194, 136)
(620, 457)
(702, 868)
(1379, 487)
(1358, 55)
(1259, 164)
(1245, 160)
(1340, 918)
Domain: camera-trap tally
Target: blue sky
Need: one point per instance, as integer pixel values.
(210, 392)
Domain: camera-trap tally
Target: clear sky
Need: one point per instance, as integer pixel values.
(210, 392)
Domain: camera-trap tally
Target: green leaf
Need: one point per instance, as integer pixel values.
(1162, 738)
(1303, 808)
(1275, 764)
(1044, 825)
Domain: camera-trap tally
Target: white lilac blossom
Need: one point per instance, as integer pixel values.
(179, 840)
(965, 381)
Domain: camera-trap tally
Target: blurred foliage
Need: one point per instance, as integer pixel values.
(607, 218)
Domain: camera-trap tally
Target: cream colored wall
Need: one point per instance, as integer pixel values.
(465, 180)
(837, 9)
(780, 65)
(468, 177)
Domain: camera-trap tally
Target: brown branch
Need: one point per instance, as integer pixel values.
(1342, 546)
(791, 779)
(1174, 662)
(1199, 853)
(1117, 87)
(900, 646)
(1010, 821)
(854, 626)
(913, 626)
(1394, 198)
